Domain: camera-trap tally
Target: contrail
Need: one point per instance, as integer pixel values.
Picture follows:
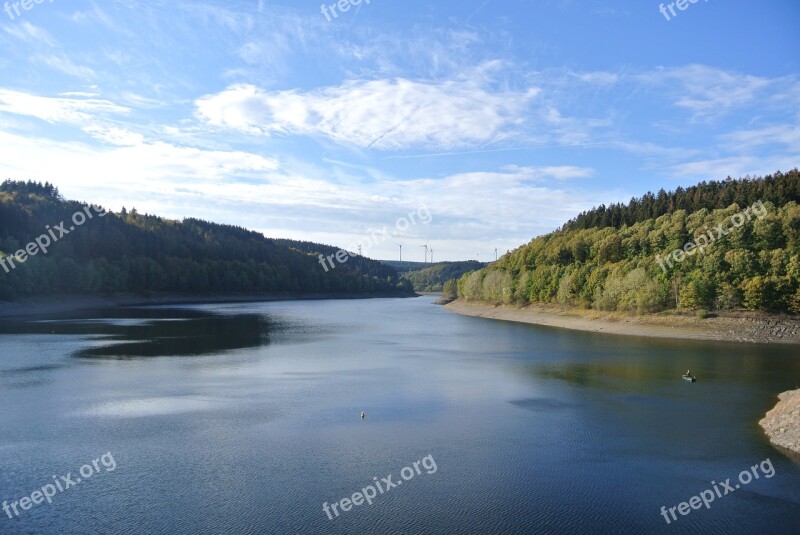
(476, 11)
(480, 151)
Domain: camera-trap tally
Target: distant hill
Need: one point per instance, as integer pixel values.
(433, 277)
(359, 264)
(100, 253)
(404, 267)
(715, 246)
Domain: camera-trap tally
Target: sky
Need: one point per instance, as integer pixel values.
(502, 119)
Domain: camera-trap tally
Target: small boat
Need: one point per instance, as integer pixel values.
(690, 378)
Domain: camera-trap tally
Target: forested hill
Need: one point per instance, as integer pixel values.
(433, 277)
(361, 264)
(717, 246)
(131, 253)
(776, 189)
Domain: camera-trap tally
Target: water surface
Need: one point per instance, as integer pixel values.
(244, 418)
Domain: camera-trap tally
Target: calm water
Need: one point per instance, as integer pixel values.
(245, 419)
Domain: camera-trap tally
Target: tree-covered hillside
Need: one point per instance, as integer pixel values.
(131, 253)
(433, 277)
(405, 266)
(635, 258)
(776, 189)
(360, 264)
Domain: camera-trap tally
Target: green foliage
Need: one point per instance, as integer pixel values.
(794, 302)
(450, 289)
(131, 253)
(631, 292)
(469, 286)
(759, 293)
(360, 264)
(406, 266)
(729, 297)
(431, 277)
(496, 287)
(776, 189)
(616, 263)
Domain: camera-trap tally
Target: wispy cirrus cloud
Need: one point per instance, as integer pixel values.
(385, 114)
(30, 34)
(707, 92)
(265, 115)
(57, 109)
(786, 135)
(736, 166)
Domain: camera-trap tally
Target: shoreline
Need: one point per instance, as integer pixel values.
(60, 305)
(743, 327)
(782, 423)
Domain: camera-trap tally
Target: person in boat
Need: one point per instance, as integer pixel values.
(363, 415)
(688, 373)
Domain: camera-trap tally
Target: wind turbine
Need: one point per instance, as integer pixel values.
(400, 245)
(495, 254)
(431, 255)
(426, 252)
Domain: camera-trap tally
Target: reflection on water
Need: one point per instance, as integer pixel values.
(545, 404)
(534, 430)
(154, 332)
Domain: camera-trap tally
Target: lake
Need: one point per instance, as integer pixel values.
(245, 418)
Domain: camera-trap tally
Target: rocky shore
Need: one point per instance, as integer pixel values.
(782, 423)
(742, 326)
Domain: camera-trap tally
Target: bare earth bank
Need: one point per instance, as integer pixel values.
(740, 327)
(782, 423)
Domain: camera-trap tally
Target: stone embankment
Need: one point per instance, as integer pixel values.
(782, 423)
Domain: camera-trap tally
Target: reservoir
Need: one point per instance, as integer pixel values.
(247, 418)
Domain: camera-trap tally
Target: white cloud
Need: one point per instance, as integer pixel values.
(598, 78)
(30, 34)
(56, 109)
(114, 136)
(299, 201)
(393, 114)
(136, 169)
(705, 91)
(63, 64)
(736, 166)
(747, 140)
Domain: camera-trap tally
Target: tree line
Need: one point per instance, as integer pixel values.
(433, 278)
(777, 189)
(608, 258)
(133, 253)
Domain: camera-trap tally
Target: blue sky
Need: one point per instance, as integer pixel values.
(505, 118)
